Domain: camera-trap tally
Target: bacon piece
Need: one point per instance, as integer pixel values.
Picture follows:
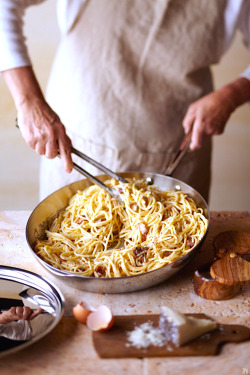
(144, 230)
(80, 221)
(134, 207)
(99, 220)
(140, 254)
(100, 271)
(190, 242)
(167, 253)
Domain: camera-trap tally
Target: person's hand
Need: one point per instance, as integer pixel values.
(19, 313)
(44, 132)
(207, 116)
(39, 124)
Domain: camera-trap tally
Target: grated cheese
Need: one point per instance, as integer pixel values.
(145, 335)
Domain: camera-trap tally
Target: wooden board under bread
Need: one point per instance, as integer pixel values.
(114, 343)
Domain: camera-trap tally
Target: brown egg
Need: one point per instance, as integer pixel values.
(100, 320)
(81, 311)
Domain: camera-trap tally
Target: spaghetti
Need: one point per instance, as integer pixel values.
(97, 236)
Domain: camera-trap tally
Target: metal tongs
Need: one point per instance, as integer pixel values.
(180, 154)
(114, 193)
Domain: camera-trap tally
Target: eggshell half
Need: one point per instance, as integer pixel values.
(100, 320)
(81, 311)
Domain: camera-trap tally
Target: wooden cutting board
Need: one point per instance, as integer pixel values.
(114, 344)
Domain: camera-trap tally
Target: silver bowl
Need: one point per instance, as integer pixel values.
(50, 207)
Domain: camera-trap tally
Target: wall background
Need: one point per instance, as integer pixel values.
(19, 165)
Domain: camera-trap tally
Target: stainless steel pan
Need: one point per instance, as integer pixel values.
(49, 208)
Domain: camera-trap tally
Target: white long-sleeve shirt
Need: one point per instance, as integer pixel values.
(13, 49)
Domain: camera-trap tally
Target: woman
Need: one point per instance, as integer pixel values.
(129, 78)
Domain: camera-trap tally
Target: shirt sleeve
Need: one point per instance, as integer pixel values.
(19, 330)
(13, 48)
(244, 26)
(246, 73)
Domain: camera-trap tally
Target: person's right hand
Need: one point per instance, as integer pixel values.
(40, 126)
(44, 132)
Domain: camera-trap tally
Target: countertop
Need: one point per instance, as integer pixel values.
(69, 349)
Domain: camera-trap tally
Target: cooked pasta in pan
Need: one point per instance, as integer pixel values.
(98, 236)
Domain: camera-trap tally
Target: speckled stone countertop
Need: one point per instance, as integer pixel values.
(69, 349)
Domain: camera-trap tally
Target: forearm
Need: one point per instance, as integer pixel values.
(237, 92)
(23, 86)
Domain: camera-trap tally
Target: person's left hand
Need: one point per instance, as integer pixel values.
(207, 116)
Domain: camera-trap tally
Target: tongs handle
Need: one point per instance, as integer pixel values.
(114, 193)
(97, 165)
(180, 153)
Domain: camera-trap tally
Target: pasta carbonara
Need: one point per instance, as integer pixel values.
(98, 236)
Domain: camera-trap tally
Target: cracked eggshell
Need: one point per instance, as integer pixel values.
(100, 320)
(81, 312)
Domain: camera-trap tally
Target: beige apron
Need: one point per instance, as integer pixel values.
(122, 80)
